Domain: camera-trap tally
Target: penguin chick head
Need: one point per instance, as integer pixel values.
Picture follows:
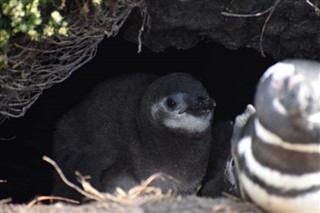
(181, 104)
(289, 92)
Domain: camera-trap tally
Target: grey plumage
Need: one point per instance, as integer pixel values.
(276, 142)
(131, 127)
(216, 179)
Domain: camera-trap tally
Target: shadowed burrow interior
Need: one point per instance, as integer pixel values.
(230, 77)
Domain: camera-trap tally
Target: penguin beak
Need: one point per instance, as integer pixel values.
(207, 104)
(183, 110)
(201, 104)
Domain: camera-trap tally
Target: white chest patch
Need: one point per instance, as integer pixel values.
(188, 122)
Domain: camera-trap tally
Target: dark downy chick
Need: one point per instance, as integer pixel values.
(132, 127)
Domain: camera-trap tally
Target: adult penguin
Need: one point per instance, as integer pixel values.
(134, 126)
(276, 142)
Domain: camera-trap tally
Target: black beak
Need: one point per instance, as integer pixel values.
(202, 104)
(207, 104)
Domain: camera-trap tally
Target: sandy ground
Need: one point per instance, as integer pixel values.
(140, 199)
(139, 205)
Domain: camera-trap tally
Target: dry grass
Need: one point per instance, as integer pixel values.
(143, 191)
(139, 199)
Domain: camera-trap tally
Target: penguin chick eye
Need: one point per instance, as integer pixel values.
(171, 103)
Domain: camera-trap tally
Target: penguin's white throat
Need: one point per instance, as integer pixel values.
(185, 122)
(189, 123)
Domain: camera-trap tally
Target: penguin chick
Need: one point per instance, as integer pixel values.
(276, 142)
(132, 127)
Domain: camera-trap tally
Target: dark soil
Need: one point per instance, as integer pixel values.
(281, 29)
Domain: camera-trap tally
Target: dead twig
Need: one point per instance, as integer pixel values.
(67, 182)
(239, 15)
(145, 22)
(221, 207)
(4, 201)
(7, 139)
(145, 188)
(51, 198)
(139, 194)
(315, 7)
(88, 187)
(231, 197)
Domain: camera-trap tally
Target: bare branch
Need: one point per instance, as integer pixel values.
(145, 22)
(239, 15)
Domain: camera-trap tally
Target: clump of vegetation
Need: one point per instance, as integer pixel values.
(43, 41)
(25, 17)
(33, 20)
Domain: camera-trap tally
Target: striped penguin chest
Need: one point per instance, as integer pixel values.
(277, 175)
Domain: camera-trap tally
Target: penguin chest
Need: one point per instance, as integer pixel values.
(278, 203)
(273, 189)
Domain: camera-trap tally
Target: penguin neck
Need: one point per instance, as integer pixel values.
(169, 152)
(159, 139)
